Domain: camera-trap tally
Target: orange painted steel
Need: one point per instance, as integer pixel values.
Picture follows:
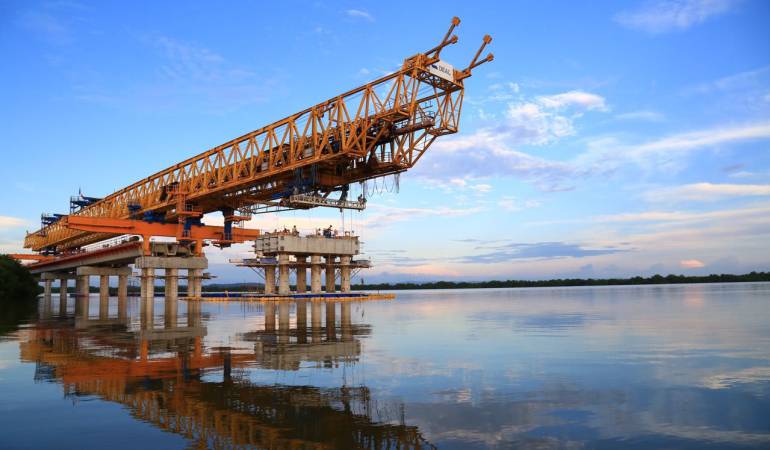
(29, 257)
(196, 234)
(381, 128)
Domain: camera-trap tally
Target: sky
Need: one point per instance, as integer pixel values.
(605, 139)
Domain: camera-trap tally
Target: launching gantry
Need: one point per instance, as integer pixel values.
(381, 128)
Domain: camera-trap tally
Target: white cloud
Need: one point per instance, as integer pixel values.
(579, 99)
(359, 14)
(642, 115)
(691, 264)
(11, 222)
(706, 192)
(511, 203)
(662, 16)
(386, 215)
(667, 153)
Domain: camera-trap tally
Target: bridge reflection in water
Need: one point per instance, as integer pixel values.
(162, 372)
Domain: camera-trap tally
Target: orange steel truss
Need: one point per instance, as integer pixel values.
(381, 128)
(196, 234)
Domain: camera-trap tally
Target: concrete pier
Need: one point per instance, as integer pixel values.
(63, 282)
(194, 280)
(331, 279)
(301, 274)
(147, 283)
(286, 251)
(83, 285)
(104, 286)
(172, 282)
(270, 280)
(345, 273)
(283, 274)
(122, 286)
(315, 274)
(47, 288)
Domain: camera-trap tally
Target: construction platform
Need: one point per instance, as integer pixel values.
(257, 297)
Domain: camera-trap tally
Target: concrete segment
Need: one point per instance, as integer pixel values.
(308, 245)
(171, 262)
(100, 271)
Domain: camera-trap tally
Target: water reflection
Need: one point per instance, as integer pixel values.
(683, 367)
(162, 371)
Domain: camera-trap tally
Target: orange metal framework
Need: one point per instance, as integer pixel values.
(377, 129)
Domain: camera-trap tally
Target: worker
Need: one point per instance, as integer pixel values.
(294, 231)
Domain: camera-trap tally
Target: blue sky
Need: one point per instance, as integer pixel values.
(606, 139)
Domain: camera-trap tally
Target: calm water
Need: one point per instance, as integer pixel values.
(618, 367)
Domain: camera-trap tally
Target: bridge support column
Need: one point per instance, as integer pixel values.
(331, 279)
(147, 283)
(301, 274)
(63, 288)
(83, 283)
(104, 285)
(194, 278)
(47, 288)
(104, 305)
(315, 274)
(345, 273)
(122, 286)
(283, 274)
(270, 279)
(172, 283)
(147, 313)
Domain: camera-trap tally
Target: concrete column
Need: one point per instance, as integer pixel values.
(147, 313)
(147, 283)
(81, 307)
(122, 308)
(194, 278)
(172, 283)
(104, 306)
(331, 279)
(269, 316)
(170, 312)
(270, 279)
(63, 304)
(85, 285)
(63, 288)
(345, 273)
(283, 274)
(122, 286)
(47, 288)
(301, 274)
(315, 274)
(104, 285)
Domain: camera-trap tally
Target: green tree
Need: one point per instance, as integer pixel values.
(16, 283)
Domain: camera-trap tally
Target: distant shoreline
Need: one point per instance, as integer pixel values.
(561, 282)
